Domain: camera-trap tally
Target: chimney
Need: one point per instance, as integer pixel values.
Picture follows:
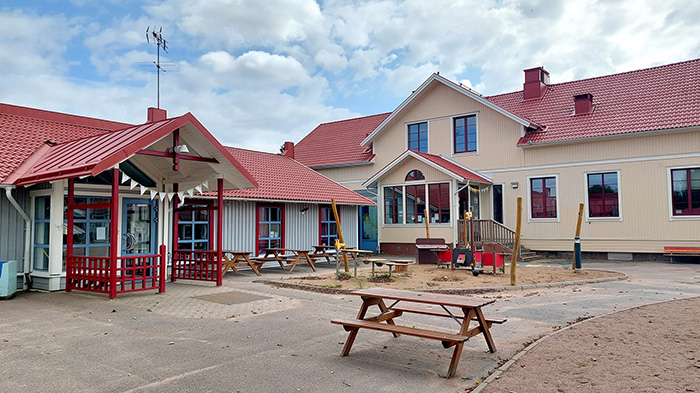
(536, 81)
(156, 114)
(583, 104)
(288, 149)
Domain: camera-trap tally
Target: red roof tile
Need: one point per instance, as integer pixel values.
(25, 130)
(659, 98)
(338, 142)
(453, 167)
(282, 178)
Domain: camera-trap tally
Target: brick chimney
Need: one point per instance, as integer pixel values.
(536, 81)
(156, 114)
(288, 149)
(583, 104)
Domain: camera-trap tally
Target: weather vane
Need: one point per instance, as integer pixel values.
(155, 36)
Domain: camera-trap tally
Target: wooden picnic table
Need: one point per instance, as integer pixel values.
(289, 256)
(321, 251)
(354, 254)
(383, 261)
(233, 259)
(468, 310)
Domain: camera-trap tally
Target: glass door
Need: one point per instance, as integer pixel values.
(138, 226)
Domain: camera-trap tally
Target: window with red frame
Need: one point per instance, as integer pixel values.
(415, 204)
(686, 191)
(439, 199)
(270, 227)
(543, 197)
(328, 227)
(603, 197)
(418, 137)
(415, 175)
(465, 134)
(393, 205)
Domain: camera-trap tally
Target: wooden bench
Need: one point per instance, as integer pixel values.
(681, 252)
(448, 339)
(442, 313)
(391, 263)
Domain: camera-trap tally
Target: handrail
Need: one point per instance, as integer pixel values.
(490, 232)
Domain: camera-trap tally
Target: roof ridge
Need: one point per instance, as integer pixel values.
(603, 76)
(253, 151)
(50, 116)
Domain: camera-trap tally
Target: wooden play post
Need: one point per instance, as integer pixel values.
(427, 228)
(516, 246)
(340, 234)
(578, 233)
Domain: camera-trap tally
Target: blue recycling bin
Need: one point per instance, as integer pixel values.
(8, 278)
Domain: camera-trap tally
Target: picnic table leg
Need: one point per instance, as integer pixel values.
(309, 261)
(366, 302)
(252, 265)
(485, 329)
(455, 360)
(294, 263)
(372, 269)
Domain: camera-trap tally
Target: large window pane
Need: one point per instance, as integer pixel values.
(686, 191)
(543, 197)
(439, 199)
(393, 205)
(415, 204)
(603, 198)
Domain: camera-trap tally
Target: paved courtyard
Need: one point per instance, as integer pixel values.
(250, 337)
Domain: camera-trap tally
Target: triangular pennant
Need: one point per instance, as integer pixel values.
(190, 192)
(198, 188)
(125, 177)
(133, 184)
(181, 194)
(206, 184)
(162, 195)
(170, 196)
(153, 193)
(143, 189)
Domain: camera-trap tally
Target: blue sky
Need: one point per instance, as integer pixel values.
(258, 73)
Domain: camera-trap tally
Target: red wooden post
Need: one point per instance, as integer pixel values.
(175, 201)
(162, 268)
(69, 240)
(219, 229)
(113, 239)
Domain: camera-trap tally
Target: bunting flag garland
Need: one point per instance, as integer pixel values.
(162, 194)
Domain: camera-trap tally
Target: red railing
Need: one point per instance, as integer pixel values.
(195, 265)
(132, 273)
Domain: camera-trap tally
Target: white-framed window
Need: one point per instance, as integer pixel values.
(684, 190)
(465, 133)
(543, 198)
(417, 136)
(406, 204)
(603, 200)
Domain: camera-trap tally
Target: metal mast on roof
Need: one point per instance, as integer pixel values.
(156, 37)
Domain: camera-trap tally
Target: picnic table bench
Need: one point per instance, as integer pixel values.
(324, 251)
(469, 310)
(379, 262)
(288, 256)
(233, 259)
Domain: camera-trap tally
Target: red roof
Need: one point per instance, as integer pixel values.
(659, 98)
(338, 142)
(453, 167)
(93, 155)
(282, 178)
(25, 130)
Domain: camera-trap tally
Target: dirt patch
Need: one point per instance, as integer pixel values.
(434, 278)
(652, 348)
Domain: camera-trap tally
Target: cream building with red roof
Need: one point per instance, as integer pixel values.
(627, 146)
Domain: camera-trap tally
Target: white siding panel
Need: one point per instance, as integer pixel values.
(349, 223)
(301, 229)
(239, 225)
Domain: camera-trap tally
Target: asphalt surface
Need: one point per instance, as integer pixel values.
(250, 337)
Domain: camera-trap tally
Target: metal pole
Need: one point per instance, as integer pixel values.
(577, 253)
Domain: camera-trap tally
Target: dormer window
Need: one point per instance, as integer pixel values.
(415, 175)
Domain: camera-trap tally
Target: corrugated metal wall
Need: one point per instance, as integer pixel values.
(301, 230)
(12, 231)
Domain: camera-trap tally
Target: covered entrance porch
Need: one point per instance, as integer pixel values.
(121, 192)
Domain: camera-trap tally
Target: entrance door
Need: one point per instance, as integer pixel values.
(368, 228)
(498, 202)
(138, 226)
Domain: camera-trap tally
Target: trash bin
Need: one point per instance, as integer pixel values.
(8, 278)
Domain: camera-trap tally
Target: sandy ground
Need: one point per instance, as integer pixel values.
(654, 348)
(432, 277)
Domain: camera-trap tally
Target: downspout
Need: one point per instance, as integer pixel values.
(27, 233)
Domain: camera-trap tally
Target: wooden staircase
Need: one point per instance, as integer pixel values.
(492, 236)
